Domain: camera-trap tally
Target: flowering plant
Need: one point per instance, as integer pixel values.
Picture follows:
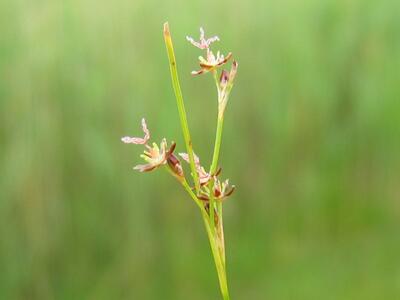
(208, 191)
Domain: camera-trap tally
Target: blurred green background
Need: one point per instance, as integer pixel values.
(311, 140)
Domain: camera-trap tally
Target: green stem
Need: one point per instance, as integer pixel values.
(213, 169)
(221, 232)
(218, 135)
(219, 259)
(223, 283)
(180, 104)
(217, 145)
(212, 206)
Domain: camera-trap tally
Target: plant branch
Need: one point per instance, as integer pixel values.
(180, 104)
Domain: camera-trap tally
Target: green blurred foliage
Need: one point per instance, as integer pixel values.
(311, 140)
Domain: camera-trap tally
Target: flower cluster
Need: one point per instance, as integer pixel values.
(159, 155)
(155, 155)
(220, 190)
(211, 64)
(204, 177)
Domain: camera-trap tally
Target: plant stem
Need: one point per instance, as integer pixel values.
(219, 259)
(217, 145)
(223, 284)
(218, 135)
(180, 104)
(213, 169)
(218, 256)
(220, 230)
(212, 207)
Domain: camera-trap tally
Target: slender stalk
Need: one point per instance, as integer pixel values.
(213, 169)
(223, 284)
(217, 144)
(218, 256)
(218, 135)
(180, 104)
(221, 231)
(219, 260)
(212, 206)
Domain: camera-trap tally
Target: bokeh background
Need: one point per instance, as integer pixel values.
(311, 140)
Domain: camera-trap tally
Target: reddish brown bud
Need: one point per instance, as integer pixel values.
(174, 163)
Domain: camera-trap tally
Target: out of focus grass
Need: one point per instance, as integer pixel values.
(311, 140)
